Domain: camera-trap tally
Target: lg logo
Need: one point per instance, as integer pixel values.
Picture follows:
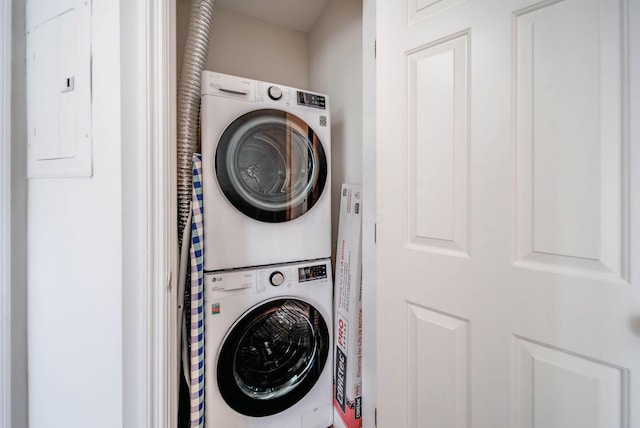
(216, 279)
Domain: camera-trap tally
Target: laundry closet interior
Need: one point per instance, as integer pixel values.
(535, 212)
(324, 47)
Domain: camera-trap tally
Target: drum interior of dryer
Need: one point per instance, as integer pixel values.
(271, 165)
(272, 357)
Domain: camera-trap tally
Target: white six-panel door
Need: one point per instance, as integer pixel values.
(508, 192)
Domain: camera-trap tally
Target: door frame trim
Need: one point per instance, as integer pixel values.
(5, 214)
(150, 256)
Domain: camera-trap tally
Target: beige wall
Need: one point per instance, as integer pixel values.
(335, 64)
(251, 48)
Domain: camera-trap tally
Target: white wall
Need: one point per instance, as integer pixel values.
(251, 48)
(342, 64)
(75, 268)
(335, 68)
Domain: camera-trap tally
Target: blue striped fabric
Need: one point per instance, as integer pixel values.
(197, 320)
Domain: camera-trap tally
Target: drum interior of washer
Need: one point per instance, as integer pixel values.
(277, 353)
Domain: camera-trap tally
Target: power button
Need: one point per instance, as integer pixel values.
(276, 278)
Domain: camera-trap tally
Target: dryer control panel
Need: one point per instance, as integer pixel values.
(311, 100)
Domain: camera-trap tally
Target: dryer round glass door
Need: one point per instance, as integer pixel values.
(272, 357)
(271, 165)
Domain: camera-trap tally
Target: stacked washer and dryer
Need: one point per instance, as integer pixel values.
(268, 288)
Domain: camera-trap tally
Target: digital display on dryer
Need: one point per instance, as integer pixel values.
(311, 273)
(311, 100)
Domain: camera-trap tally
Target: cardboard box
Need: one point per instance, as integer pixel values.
(347, 397)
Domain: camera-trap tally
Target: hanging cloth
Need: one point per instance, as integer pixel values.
(196, 328)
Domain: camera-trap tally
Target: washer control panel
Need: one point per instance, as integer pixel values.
(311, 273)
(268, 279)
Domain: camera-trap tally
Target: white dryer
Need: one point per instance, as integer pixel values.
(268, 340)
(266, 173)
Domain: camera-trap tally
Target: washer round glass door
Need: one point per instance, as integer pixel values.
(271, 165)
(272, 357)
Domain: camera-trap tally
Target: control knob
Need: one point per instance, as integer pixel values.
(274, 92)
(276, 278)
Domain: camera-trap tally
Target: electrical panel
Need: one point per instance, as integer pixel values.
(59, 89)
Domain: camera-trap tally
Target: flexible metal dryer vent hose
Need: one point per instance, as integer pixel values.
(194, 59)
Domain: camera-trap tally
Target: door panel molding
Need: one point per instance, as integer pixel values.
(570, 175)
(439, 353)
(555, 385)
(438, 116)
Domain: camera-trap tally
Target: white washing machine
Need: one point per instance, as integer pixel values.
(268, 340)
(266, 173)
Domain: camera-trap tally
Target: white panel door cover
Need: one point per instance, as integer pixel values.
(508, 191)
